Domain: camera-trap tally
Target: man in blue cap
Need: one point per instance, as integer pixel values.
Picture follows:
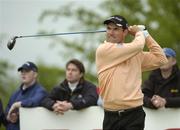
(162, 89)
(29, 94)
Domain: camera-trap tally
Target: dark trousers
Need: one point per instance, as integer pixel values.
(132, 119)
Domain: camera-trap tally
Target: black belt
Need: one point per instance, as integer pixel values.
(119, 112)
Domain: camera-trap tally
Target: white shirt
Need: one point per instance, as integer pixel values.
(73, 86)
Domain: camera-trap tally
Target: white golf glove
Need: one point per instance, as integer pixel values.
(144, 30)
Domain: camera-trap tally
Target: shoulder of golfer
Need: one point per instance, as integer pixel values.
(108, 54)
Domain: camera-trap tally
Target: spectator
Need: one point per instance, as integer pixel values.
(29, 94)
(2, 116)
(73, 93)
(162, 89)
(100, 101)
(120, 67)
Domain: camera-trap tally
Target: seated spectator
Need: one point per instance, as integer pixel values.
(162, 89)
(2, 117)
(73, 93)
(1, 113)
(100, 101)
(29, 94)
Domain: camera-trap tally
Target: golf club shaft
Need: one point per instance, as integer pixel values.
(66, 33)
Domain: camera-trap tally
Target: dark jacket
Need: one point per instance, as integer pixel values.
(1, 112)
(29, 97)
(2, 116)
(167, 88)
(83, 96)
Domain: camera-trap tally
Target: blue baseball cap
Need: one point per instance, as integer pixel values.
(169, 52)
(28, 66)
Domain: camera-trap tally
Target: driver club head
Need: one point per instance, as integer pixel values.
(11, 42)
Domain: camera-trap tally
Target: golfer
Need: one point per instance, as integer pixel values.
(119, 68)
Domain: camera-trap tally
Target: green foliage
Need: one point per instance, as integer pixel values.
(160, 17)
(50, 76)
(7, 83)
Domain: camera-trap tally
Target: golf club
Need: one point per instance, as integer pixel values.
(12, 41)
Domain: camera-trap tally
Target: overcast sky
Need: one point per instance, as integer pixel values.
(20, 17)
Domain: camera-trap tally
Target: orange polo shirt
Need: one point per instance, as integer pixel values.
(119, 68)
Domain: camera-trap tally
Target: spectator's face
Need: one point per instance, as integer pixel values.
(28, 76)
(73, 74)
(115, 34)
(171, 62)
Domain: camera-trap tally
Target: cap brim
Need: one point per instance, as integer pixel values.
(23, 68)
(112, 21)
(169, 55)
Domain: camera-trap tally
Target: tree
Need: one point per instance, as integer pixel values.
(160, 17)
(49, 76)
(8, 83)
